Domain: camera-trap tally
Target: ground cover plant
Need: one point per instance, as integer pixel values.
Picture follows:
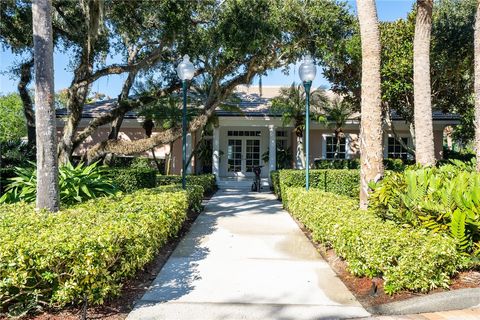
(406, 258)
(85, 251)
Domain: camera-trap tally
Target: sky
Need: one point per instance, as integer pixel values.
(388, 10)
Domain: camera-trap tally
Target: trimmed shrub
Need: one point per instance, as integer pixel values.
(194, 194)
(132, 179)
(389, 164)
(339, 181)
(275, 178)
(207, 181)
(406, 258)
(87, 250)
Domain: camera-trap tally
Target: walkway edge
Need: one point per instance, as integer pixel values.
(443, 301)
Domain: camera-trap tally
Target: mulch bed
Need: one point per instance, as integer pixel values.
(369, 292)
(119, 307)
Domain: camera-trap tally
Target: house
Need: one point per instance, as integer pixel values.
(242, 140)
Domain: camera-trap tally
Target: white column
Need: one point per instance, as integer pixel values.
(189, 152)
(272, 152)
(216, 153)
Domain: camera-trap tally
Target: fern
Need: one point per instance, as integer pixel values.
(458, 230)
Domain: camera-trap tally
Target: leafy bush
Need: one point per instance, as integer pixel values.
(132, 179)
(406, 258)
(207, 181)
(194, 194)
(389, 164)
(275, 178)
(87, 250)
(339, 181)
(76, 184)
(445, 199)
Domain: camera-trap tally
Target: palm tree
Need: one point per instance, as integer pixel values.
(46, 137)
(337, 112)
(425, 152)
(291, 105)
(371, 134)
(477, 84)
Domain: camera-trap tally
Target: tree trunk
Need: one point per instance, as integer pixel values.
(47, 165)
(477, 84)
(78, 90)
(371, 134)
(424, 146)
(25, 78)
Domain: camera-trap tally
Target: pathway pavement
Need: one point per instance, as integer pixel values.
(245, 258)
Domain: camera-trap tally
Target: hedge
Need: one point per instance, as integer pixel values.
(389, 164)
(339, 181)
(132, 179)
(194, 194)
(87, 250)
(406, 258)
(207, 181)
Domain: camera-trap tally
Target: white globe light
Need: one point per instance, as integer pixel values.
(307, 69)
(185, 69)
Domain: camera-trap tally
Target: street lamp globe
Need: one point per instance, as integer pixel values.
(185, 69)
(307, 69)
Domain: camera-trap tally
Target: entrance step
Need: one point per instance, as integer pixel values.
(240, 183)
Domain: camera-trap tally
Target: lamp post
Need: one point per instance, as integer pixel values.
(185, 71)
(307, 72)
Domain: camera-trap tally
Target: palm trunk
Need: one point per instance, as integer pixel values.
(424, 145)
(47, 164)
(371, 134)
(338, 142)
(300, 158)
(477, 84)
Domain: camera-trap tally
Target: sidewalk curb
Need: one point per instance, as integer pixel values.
(443, 301)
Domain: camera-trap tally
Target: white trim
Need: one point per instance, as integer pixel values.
(324, 145)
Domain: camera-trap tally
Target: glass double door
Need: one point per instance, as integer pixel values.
(242, 156)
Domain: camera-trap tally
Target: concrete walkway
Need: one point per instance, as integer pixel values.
(245, 258)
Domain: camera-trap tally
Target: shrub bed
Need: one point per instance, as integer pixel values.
(389, 164)
(339, 181)
(132, 179)
(207, 181)
(406, 258)
(87, 250)
(5, 174)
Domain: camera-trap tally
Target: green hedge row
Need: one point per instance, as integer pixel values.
(389, 164)
(132, 179)
(194, 194)
(87, 250)
(339, 181)
(406, 258)
(207, 181)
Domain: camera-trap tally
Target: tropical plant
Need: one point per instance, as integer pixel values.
(77, 184)
(290, 104)
(422, 91)
(371, 133)
(445, 199)
(336, 113)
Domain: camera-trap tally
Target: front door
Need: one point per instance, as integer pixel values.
(243, 154)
